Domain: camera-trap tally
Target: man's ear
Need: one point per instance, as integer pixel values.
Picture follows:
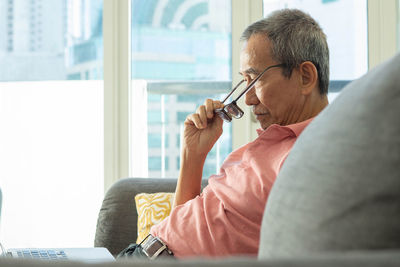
(308, 77)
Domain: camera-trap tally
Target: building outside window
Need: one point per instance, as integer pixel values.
(196, 48)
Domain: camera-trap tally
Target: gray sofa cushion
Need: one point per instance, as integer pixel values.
(339, 189)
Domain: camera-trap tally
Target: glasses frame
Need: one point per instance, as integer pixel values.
(232, 110)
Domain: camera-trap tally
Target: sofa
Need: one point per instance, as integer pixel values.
(336, 201)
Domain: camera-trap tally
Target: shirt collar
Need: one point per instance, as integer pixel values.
(296, 128)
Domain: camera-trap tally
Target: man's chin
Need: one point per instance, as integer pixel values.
(265, 123)
(265, 120)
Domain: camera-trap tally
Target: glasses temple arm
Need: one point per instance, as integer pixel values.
(251, 85)
(233, 90)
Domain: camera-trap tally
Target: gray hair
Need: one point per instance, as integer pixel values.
(295, 37)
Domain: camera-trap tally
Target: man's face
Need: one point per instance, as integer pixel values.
(274, 98)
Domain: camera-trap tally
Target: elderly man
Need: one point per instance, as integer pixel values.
(285, 63)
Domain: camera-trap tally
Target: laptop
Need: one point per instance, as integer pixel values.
(90, 255)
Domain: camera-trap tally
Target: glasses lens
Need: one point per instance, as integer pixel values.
(233, 110)
(223, 115)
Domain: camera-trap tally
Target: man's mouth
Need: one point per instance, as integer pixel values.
(258, 115)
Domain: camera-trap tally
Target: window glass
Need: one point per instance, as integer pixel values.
(345, 24)
(175, 41)
(51, 142)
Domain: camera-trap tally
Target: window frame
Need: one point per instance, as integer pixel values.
(117, 71)
(383, 35)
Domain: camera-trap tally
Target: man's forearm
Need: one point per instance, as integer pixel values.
(189, 181)
(202, 130)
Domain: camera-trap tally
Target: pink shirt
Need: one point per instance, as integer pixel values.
(226, 218)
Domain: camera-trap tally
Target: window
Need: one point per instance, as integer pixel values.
(51, 143)
(186, 45)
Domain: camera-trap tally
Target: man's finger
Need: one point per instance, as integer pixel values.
(209, 104)
(201, 111)
(217, 104)
(194, 119)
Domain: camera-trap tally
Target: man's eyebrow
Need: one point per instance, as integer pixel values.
(250, 71)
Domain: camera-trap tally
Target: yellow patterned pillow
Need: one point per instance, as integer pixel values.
(152, 209)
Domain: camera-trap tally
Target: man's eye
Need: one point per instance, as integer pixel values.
(248, 79)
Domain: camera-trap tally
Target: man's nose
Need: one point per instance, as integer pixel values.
(251, 97)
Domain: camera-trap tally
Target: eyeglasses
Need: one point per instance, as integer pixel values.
(232, 110)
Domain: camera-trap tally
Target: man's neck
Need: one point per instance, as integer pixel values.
(319, 102)
(312, 106)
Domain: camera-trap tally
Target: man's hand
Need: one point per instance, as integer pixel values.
(202, 130)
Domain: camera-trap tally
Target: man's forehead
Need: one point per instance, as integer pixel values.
(255, 53)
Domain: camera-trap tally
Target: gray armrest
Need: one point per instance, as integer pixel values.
(117, 221)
